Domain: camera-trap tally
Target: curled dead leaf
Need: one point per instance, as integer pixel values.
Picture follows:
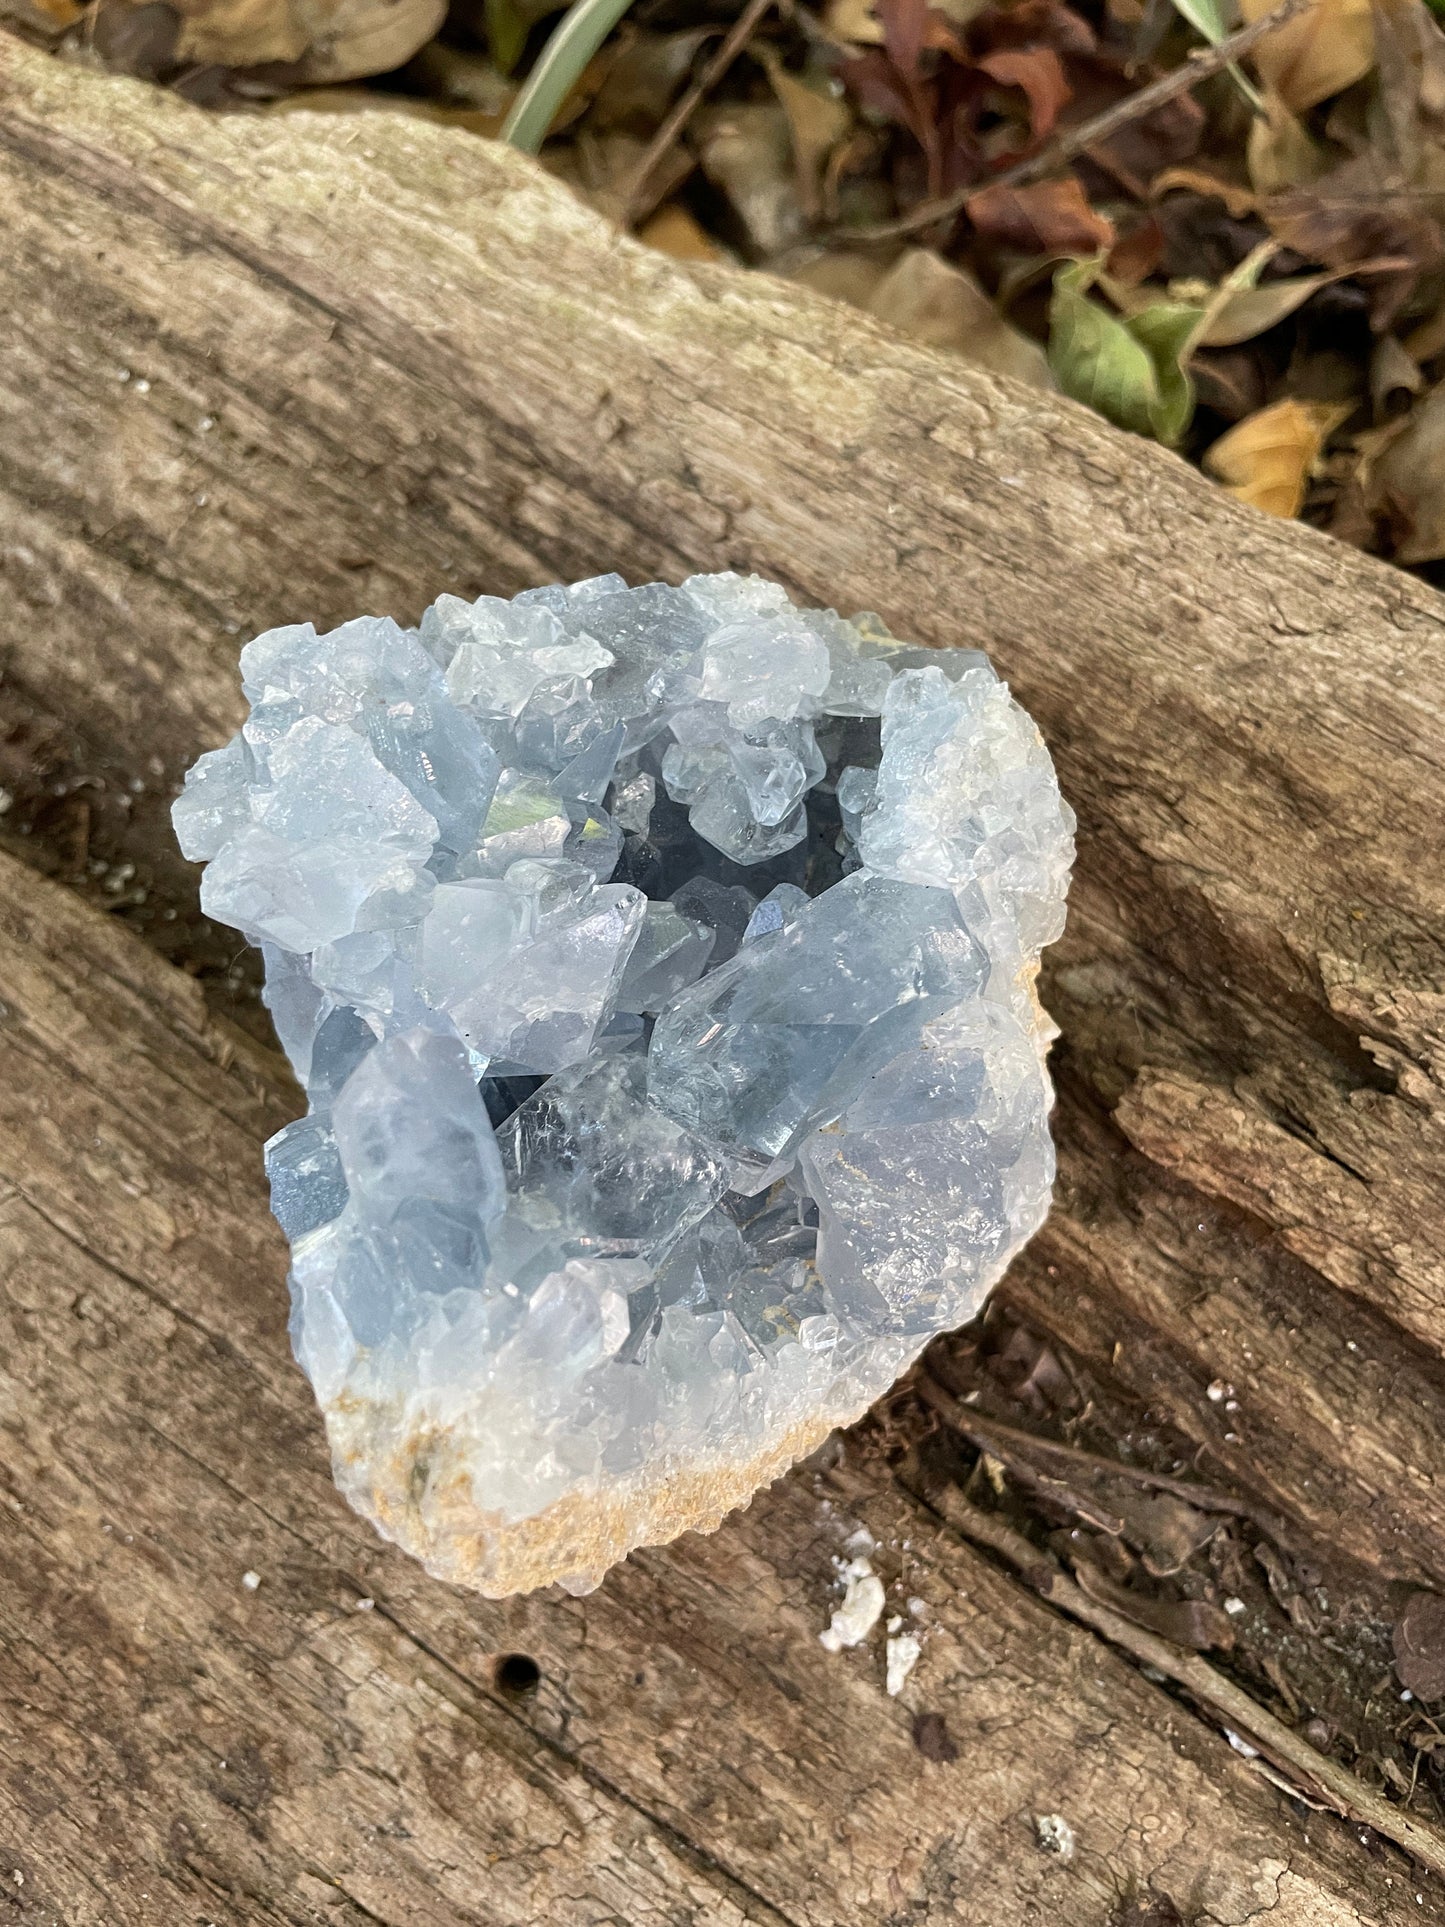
(1039, 74)
(1248, 312)
(932, 300)
(1136, 254)
(1238, 200)
(1315, 55)
(1266, 460)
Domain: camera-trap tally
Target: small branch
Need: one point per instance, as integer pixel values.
(632, 197)
(1074, 141)
(1322, 1780)
(1006, 1441)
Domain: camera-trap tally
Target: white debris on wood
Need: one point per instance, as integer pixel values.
(903, 1653)
(860, 1611)
(1055, 1835)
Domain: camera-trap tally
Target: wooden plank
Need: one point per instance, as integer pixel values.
(335, 1744)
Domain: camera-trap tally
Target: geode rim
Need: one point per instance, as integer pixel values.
(660, 965)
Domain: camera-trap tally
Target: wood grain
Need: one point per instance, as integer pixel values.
(262, 369)
(335, 1745)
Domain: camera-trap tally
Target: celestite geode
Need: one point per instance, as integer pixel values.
(659, 964)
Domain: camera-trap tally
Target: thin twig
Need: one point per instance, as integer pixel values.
(993, 1435)
(631, 195)
(1074, 141)
(1330, 1783)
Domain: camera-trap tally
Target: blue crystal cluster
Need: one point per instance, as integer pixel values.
(659, 966)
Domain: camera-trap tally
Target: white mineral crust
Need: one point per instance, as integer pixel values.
(659, 964)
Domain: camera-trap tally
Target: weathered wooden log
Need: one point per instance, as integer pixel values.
(264, 368)
(332, 1738)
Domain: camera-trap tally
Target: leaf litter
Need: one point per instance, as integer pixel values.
(1221, 223)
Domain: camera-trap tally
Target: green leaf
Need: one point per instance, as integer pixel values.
(1208, 21)
(507, 29)
(1168, 332)
(1134, 371)
(584, 27)
(1093, 355)
(1205, 16)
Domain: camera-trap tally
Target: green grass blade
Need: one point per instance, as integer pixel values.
(583, 28)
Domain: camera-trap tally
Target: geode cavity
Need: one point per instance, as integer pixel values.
(659, 965)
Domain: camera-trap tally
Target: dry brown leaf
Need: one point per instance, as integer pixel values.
(1407, 482)
(857, 20)
(43, 18)
(1410, 49)
(1048, 217)
(1393, 371)
(927, 297)
(643, 77)
(1238, 200)
(1135, 255)
(1039, 75)
(1280, 151)
(1318, 53)
(746, 150)
(1427, 341)
(1239, 314)
(817, 122)
(323, 41)
(1356, 212)
(842, 275)
(602, 167)
(674, 231)
(1267, 458)
(1248, 312)
(853, 21)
